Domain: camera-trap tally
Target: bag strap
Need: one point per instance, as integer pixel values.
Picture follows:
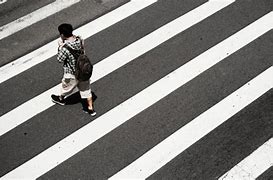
(72, 51)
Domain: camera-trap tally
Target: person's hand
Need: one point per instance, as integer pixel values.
(60, 43)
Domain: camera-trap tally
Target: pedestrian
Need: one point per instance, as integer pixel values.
(69, 82)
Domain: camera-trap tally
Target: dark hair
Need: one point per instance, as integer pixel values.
(66, 29)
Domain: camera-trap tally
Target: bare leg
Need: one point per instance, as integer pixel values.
(90, 103)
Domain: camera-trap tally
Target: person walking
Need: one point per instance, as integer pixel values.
(67, 44)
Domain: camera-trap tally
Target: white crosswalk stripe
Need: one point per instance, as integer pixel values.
(206, 122)
(45, 52)
(3, 1)
(112, 62)
(155, 158)
(253, 165)
(34, 17)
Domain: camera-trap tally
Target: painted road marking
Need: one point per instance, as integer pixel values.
(42, 102)
(34, 17)
(170, 148)
(3, 1)
(49, 50)
(75, 142)
(253, 165)
(186, 136)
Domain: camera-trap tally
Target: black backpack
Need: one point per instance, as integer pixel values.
(83, 68)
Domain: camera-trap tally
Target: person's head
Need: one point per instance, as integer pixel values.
(65, 30)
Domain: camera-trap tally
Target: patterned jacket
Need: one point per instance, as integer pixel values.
(65, 57)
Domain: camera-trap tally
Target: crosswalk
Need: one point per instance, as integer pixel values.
(187, 99)
(33, 17)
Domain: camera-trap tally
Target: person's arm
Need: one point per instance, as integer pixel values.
(62, 55)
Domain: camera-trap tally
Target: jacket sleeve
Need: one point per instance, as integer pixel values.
(62, 54)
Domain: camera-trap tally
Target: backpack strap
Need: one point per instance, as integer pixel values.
(74, 52)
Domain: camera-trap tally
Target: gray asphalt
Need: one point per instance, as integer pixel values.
(209, 158)
(45, 31)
